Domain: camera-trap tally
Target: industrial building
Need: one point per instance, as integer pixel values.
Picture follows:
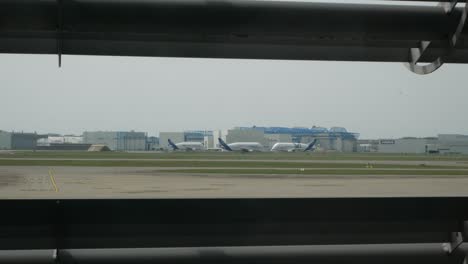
(242, 134)
(333, 139)
(25, 141)
(202, 136)
(64, 143)
(330, 142)
(59, 139)
(5, 140)
(33, 141)
(406, 145)
(219, 134)
(176, 137)
(272, 139)
(117, 140)
(452, 143)
(443, 143)
(152, 143)
(65, 147)
(367, 145)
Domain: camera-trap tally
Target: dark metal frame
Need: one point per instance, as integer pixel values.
(172, 230)
(324, 230)
(453, 35)
(233, 29)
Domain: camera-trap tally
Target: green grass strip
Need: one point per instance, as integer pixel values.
(368, 172)
(210, 164)
(230, 155)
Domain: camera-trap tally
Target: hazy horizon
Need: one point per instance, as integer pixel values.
(377, 100)
(156, 134)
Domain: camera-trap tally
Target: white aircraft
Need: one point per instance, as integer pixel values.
(187, 145)
(241, 146)
(292, 147)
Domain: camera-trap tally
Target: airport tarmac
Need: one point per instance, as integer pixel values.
(30, 182)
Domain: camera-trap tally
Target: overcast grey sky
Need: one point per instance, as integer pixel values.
(167, 94)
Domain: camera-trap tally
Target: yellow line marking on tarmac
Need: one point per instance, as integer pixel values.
(52, 179)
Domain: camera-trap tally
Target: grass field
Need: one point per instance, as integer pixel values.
(27, 174)
(231, 155)
(332, 171)
(213, 164)
(250, 163)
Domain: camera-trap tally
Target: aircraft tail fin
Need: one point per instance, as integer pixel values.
(224, 145)
(174, 146)
(311, 145)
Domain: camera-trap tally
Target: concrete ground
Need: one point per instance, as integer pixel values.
(29, 182)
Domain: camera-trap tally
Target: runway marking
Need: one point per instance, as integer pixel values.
(52, 179)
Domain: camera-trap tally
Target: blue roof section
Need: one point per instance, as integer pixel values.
(304, 131)
(338, 130)
(201, 133)
(294, 131)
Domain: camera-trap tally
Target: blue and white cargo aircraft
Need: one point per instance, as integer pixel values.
(241, 146)
(292, 147)
(187, 145)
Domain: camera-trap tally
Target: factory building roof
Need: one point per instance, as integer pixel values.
(301, 131)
